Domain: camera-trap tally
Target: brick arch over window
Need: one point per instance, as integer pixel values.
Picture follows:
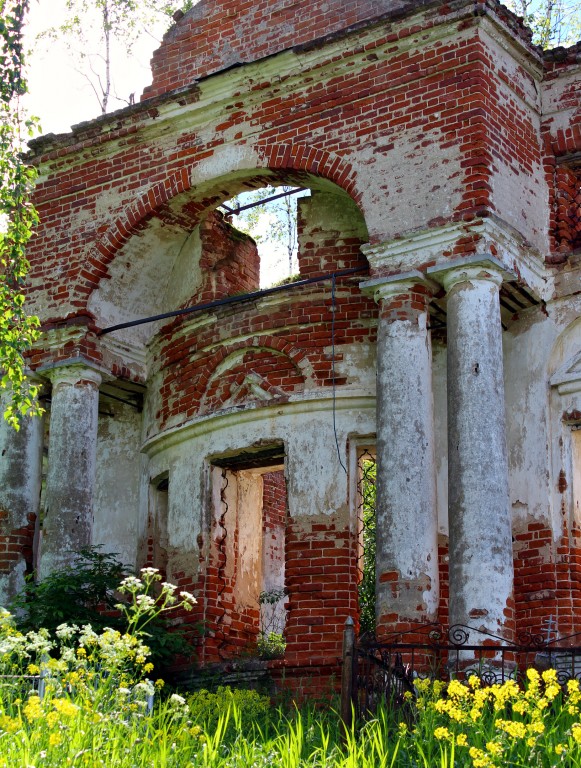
(251, 374)
(281, 160)
(280, 347)
(192, 400)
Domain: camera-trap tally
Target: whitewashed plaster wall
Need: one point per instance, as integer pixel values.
(117, 498)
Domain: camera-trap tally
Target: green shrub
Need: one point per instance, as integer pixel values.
(85, 592)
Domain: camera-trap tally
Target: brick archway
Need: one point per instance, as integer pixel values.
(279, 159)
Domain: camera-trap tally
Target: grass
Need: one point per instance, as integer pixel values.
(457, 725)
(96, 711)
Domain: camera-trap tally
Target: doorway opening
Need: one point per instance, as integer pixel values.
(246, 583)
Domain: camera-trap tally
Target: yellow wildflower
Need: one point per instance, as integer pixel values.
(479, 758)
(55, 739)
(494, 748)
(475, 714)
(552, 691)
(33, 669)
(576, 732)
(10, 724)
(443, 734)
(52, 719)
(513, 728)
(474, 682)
(550, 676)
(457, 689)
(533, 676)
(462, 740)
(521, 707)
(560, 748)
(33, 709)
(65, 707)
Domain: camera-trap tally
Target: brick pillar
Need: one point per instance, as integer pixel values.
(20, 481)
(481, 564)
(407, 546)
(68, 513)
(320, 554)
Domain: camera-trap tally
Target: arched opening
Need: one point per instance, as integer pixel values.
(193, 250)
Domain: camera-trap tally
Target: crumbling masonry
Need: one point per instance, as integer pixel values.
(443, 155)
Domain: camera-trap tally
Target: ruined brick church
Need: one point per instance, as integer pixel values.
(435, 326)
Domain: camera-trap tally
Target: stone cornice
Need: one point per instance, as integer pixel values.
(311, 403)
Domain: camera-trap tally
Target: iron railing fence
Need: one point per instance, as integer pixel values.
(387, 671)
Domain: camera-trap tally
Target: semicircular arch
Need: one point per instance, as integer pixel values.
(295, 164)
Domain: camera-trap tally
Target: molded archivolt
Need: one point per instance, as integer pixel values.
(216, 35)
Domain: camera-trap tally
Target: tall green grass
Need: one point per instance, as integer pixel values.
(96, 711)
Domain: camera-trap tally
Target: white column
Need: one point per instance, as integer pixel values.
(68, 513)
(481, 564)
(20, 482)
(406, 550)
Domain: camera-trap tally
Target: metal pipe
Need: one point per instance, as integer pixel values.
(233, 299)
(237, 211)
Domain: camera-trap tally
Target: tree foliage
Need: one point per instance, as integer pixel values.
(93, 28)
(553, 22)
(17, 217)
(273, 226)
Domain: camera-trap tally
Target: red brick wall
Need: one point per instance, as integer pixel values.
(436, 98)
(568, 208)
(547, 579)
(217, 34)
(321, 579)
(16, 544)
(283, 343)
(229, 262)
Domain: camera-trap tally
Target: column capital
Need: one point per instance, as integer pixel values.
(72, 372)
(465, 270)
(385, 288)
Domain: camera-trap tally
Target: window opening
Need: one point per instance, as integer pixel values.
(248, 556)
(366, 527)
(157, 540)
(269, 216)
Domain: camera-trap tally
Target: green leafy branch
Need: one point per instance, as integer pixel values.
(18, 217)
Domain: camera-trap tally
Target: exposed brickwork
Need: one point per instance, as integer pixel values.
(16, 544)
(568, 204)
(402, 118)
(199, 379)
(444, 579)
(230, 261)
(321, 580)
(547, 579)
(216, 35)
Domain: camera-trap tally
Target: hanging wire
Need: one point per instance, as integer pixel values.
(333, 310)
